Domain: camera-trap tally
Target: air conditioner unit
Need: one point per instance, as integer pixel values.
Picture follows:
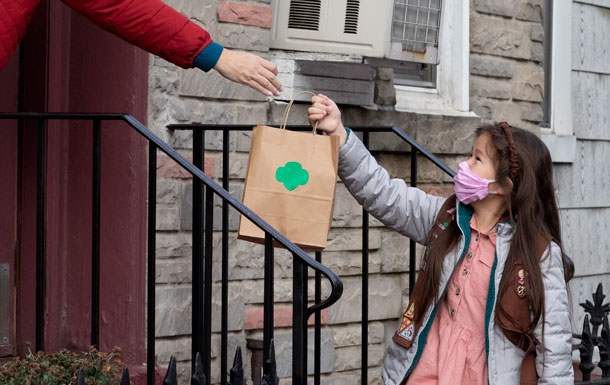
(406, 30)
(338, 26)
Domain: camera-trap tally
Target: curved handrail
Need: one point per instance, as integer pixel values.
(336, 284)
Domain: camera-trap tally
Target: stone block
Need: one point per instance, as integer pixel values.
(483, 108)
(179, 347)
(395, 252)
(528, 83)
(186, 208)
(242, 13)
(347, 212)
(507, 8)
(171, 245)
(351, 334)
(298, 113)
(212, 85)
(537, 33)
(203, 12)
(500, 37)
(340, 97)
(484, 87)
(531, 112)
(345, 263)
(487, 66)
(537, 52)
(343, 240)
(168, 218)
(167, 191)
(243, 141)
(173, 309)
(283, 353)
(385, 93)
(530, 10)
(385, 293)
(252, 114)
(340, 70)
(348, 358)
(236, 309)
(244, 37)
(176, 270)
(384, 73)
(323, 84)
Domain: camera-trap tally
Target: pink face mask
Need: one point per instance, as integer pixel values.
(470, 187)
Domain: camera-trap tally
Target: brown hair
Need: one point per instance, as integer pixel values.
(521, 158)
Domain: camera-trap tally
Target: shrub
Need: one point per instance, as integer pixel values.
(61, 368)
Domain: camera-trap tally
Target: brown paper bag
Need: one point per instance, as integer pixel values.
(290, 183)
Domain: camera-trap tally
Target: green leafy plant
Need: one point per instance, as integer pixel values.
(61, 368)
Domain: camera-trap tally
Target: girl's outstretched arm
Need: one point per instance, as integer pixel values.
(556, 366)
(407, 210)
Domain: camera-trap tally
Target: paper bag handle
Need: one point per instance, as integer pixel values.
(283, 126)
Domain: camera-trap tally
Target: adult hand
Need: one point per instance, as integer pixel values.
(328, 116)
(249, 70)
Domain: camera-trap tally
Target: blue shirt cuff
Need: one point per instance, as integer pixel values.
(207, 59)
(348, 132)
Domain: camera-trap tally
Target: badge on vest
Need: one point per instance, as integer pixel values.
(521, 281)
(407, 333)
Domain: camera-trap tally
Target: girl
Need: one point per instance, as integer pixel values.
(490, 304)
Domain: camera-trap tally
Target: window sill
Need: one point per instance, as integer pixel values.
(425, 100)
(561, 147)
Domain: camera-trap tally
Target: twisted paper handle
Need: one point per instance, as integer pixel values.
(283, 126)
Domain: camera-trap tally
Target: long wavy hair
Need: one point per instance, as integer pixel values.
(530, 206)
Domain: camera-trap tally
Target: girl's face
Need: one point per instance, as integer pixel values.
(480, 161)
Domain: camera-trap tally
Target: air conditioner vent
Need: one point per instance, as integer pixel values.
(304, 14)
(351, 16)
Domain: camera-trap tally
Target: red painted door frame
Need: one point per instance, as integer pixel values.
(69, 64)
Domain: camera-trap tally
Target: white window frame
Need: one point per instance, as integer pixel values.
(452, 93)
(559, 137)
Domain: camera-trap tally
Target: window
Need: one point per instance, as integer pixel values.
(415, 30)
(431, 66)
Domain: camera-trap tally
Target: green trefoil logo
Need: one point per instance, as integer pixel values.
(292, 175)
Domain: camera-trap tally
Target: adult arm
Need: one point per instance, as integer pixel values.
(159, 29)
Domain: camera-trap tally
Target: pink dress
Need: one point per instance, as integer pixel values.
(455, 349)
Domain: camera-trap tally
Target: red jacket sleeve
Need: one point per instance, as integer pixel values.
(14, 19)
(148, 24)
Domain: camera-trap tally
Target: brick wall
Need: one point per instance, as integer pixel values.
(507, 78)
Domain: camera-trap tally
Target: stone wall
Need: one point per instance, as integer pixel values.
(181, 96)
(507, 78)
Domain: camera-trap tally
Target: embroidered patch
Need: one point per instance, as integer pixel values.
(405, 322)
(407, 333)
(409, 313)
(521, 281)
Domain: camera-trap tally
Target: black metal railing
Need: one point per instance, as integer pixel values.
(204, 190)
(416, 148)
(597, 315)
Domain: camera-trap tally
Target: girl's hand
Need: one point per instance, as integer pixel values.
(327, 114)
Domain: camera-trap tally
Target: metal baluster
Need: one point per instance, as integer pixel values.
(95, 234)
(152, 227)
(365, 285)
(207, 309)
(268, 297)
(225, 261)
(197, 322)
(299, 324)
(40, 234)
